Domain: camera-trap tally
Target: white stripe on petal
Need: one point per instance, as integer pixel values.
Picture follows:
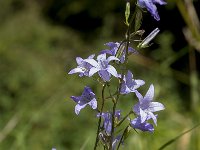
(112, 71)
(92, 71)
(150, 93)
(155, 106)
(76, 70)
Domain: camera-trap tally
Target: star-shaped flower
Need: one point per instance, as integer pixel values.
(102, 67)
(129, 84)
(87, 98)
(83, 67)
(151, 7)
(114, 48)
(145, 107)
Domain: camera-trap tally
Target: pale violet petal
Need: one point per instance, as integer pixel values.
(92, 62)
(78, 108)
(101, 57)
(93, 103)
(155, 106)
(75, 98)
(92, 71)
(112, 58)
(139, 96)
(104, 74)
(143, 116)
(91, 56)
(150, 93)
(76, 70)
(153, 117)
(79, 60)
(161, 2)
(140, 82)
(112, 71)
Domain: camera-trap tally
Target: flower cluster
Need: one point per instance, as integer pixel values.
(103, 65)
(112, 63)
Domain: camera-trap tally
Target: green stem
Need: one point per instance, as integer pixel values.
(99, 122)
(125, 130)
(124, 119)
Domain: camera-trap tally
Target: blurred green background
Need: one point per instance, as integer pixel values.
(39, 41)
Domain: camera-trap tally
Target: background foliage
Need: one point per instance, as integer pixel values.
(38, 45)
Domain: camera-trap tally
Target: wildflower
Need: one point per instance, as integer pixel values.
(87, 98)
(115, 48)
(145, 108)
(129, 84)
(151, 7)
(83, 67)
(102, 67)
(144, 126)
(107, 124)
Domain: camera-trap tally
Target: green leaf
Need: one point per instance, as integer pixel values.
(138, 18)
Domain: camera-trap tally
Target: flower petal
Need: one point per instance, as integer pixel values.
(76, 70)
(78, 108)
(104, 74)
(93, 103)
(92, 71)
(139, 96)
(155, 106)
(153, 117)
(92, 62)
(112, 71)
(91, 56)
(150, 94)
(106, 51)
(101, 57)
(76, 98)
(79, 60)
(161, 2)
(143, 116)
(112, 58)
(136, 123)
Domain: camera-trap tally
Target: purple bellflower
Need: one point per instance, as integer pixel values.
(87, 98)
(151, 7)
(83, 67)
(145, 107)
(114, 47)
(107, 124)
(129, 84)
(145, 126)
(102, 67)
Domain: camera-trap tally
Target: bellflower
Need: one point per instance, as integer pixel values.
(83, 67)
(145, 107)
(102, 67)
(114, 48)
(145, 126)
(107, 124)
(129, 84)
(151, 7)
(87, 98)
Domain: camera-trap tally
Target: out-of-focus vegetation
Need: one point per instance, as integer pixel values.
(38, 45)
